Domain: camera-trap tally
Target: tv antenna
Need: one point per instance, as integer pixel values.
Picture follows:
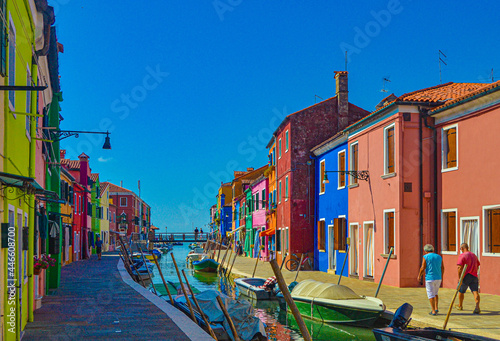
(385, 80)
(492, 76)
(440, 53)
(316, 96)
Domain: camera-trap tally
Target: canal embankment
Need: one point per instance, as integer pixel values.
(99, 300)
(486, 324)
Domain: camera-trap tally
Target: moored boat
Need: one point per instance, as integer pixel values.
(332, 303)
(256, 288)
(206, 265)
(398, 330)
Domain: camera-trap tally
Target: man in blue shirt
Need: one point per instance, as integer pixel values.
(433, 267)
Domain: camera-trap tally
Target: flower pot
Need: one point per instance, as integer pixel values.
(37, 271)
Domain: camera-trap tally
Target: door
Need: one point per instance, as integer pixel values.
(353, 247)
(19, 261)
(368, 250)
(331, 250)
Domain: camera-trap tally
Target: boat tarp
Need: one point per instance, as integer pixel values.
(241, 312)
(315, 289)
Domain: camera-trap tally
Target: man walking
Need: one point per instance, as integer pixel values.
(433, 267)
(470, 279)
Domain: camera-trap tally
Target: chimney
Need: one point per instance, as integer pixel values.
(63, 153)
(249, 169)
(342, 99)
(84, 169)
(121, 183)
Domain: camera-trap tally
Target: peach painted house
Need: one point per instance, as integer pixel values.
(396, 207)
(468, 184)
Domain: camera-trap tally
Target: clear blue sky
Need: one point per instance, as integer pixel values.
(192, 89)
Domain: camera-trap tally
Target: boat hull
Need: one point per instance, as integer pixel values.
(206, 265)
(424, 334)
(333, 313)
(249, 288)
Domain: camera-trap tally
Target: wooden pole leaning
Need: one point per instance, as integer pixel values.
(255, 267)
(188, 302)
(289, 300)
(298, 267)
(345, 259)
(220, 247)
(229, 261)
(283, 260)
(232, 264)
(226, 314)
(210, 330)
(454, 297)
(163, 279)
(129, 264)
(225, 254)
(149, 273)
(385, 268)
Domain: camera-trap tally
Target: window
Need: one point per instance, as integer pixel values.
(286, 141)
(12, 64)
(3, 40)
(389, 231)
(278, 240)
(123, 201)
(263, 199)
(286, 246)
(321, 177)
(449, 230)
(341, 175)
(321, 235)
(274, 197)
(354, 162)
(286, 188)
(492, 230)
(279, 148)
(340, 234)
(256, 201)
(389, 150)
(279, 186)
(449, 152)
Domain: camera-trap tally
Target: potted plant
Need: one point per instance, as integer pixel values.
(42, 263)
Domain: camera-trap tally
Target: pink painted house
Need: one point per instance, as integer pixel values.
(396, 206)
(259, 224)
(468, 187)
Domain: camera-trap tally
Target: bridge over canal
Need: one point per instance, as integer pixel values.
(190, 237)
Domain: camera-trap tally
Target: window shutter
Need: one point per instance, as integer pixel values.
(354, 156)
(495, 230)
(452, 238)
(451, 157)
(322, 176)
(336, 234)
(321, 235)
(390, 231)
(343, 237)
(342, 168)
(390, 150)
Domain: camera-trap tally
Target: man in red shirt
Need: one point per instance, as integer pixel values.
(470, 279)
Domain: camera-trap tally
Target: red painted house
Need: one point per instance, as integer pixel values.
(468, 172)
(294, 138)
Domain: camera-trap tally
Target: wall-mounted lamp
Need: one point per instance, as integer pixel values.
(62, 134)
(361, 175)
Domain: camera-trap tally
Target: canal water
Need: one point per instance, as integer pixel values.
(280, 325)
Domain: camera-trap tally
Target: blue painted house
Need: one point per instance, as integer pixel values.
(331, 205)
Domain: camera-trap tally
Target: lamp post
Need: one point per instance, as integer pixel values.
(123, 222)
(361, 175)
(58, 135)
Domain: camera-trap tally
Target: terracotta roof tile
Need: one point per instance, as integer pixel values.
(94, 176)
(103, 188)
(71, 164)
(114, 188)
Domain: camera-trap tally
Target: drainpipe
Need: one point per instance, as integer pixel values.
(435, 170)
(315, 259)
(420, 185)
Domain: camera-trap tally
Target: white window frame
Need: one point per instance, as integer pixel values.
(443, 157)
(351, 259)
(386, 154)
(484, 253)
(280, 193)
(365, 223)
(12, 78)
(326, 248)
(322, 176)
(386, 235)
(126, 201)
(352, 179)
(287, 188)
(281, 241)
(338, 168)
(459, 242)
(443, 211)
(287, 141)
(287, 240)
(279, 147)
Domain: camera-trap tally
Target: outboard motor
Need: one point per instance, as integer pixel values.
(402, 316)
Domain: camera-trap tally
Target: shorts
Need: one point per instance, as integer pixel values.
(98, 250)
(471, 282)
(432, 288)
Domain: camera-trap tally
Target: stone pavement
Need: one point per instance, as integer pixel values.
(98, 300)
(486, 324)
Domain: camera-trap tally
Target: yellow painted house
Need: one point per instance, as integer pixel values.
(105, 215)
(67, 197)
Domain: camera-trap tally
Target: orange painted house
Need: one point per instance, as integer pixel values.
(396, 206)
(468, 173)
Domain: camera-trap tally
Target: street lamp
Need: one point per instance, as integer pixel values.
(361, 175)
(62, 134)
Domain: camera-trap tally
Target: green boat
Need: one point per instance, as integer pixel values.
(332, 303)
(205, 265)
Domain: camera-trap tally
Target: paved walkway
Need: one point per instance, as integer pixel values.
(98, 300)
(486, 324)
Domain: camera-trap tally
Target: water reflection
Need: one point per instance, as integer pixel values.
(280, 325)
